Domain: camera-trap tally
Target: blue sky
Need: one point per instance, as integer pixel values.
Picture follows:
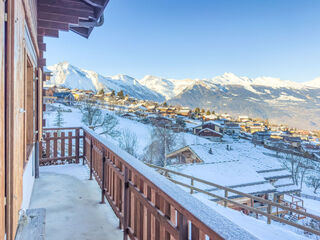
(199, 39)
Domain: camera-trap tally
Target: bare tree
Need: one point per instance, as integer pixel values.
(163, 141)
(314, 182)
(109, 125)
(91, 114)
(128, 142)
(298, 167)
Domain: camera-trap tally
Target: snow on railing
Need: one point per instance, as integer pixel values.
(148, 205)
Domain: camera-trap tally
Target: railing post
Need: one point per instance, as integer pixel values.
(91, 147)
(191, 189)
(103, 177)
(84, 146)
(126, 203)
(77, 145)
(269, 212)
(226, 196)
(182, 226)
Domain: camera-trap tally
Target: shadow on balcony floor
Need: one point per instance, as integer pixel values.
(72, 205)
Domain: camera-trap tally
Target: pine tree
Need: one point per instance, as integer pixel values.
(208, 112)
(113, 93)
(120, 94)
(165, 104)
(101, 92)
(197, 110)
(59, 118)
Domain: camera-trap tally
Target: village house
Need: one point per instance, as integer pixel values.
(64, 97)
(247, 175)
(213, 125)
(260, 137)
(186, 112)
(243, 119)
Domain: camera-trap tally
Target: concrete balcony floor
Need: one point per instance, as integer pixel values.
(72, 205)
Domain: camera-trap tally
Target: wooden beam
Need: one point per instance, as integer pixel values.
(71, 4)
(60, 18)
(53, 25)
(64, 11)
(42, 62)
(86, 10)
(94, 3)
(48, 32)
(40, 39)
(42, 46)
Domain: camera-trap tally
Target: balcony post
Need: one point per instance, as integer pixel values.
(182, 226)
(103, 177)
(91, 147)
(126, 199)
(77, 145)
(36, 160)
(83, 146)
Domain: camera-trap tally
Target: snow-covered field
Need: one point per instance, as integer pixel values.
(240, 149)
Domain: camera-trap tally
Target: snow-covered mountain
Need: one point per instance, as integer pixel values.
(296, 104)
(67, 75)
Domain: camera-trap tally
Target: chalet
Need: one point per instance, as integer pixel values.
(25, 23)
(200, 161)
(232, 129)
(210, 117)
(243, 119)
(260, 137)
(267, 172)
(293, 141)
(213, 125)
(48, 91)
(64, 97)
(210, 134)
(160, 121)
(184, 112)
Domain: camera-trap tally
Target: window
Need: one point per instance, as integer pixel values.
(30, 106)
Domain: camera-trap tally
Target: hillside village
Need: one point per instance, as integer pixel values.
(202, 122)
(246, 155)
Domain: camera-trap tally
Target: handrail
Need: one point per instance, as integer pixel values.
(173, 206)
(143, 201)
(252, 197)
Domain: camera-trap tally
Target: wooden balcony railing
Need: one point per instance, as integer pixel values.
(271, 210)
(148, 205)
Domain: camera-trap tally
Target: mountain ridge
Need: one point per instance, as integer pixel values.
(280, 100)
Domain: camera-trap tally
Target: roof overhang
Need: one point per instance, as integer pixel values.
(79, 16)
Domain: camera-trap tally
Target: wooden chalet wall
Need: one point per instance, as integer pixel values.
(21, 19)
(2, 119)
(28, 21)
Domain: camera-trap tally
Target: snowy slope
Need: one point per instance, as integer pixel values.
(67, 75)
(167, 87)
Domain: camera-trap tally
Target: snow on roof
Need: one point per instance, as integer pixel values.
(211, 130)
(276, 174)
(250, 189)
(283, 182)
(209, 122)
(202, 151)
(222, 173)
(287, 189)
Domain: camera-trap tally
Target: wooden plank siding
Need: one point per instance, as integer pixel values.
(2, 125)
(27, 23)
(17, 131)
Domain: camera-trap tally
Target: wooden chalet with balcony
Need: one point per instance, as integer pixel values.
(146, 204)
